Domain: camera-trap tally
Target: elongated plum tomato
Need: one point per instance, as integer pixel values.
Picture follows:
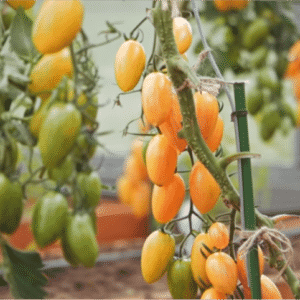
(141, 197)
(180, 279)
(49, 71)
(242, 267)
(58, 133)
(49, 218)
(135, 168)
(268, 288)
(219, 234)
(125, 188)
(221, 270)
(207, 111)
(167, 199)
(157, 252)
(157, 98)
(129, 65)
(204, 189)
(214, 140)
(161, 160)
(182, 31)
(213, 293)
(80, 234)
(57, 24)
(26, 4)
(199, 255)
(172, 126)
(64, 172)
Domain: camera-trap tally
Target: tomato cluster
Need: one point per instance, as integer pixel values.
(62, 124)
(254, 39)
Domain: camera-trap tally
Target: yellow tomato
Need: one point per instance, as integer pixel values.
(50, 70)
(129, 65)
(183, 34)
(57, 24)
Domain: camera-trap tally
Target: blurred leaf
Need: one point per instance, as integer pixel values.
(22, 272)
(21, 133)
(21, 41)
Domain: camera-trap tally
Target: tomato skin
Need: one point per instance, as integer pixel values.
(172, 126)
(180, 279)
(11, 205)
(62, 173)
(68, 254)
(207, 111)
(90, 188)
(129, 65)
(212, 293)
(214, 141)
(182, 31)
(50, 70)
(49, 218)
(140, 201)
(198, 260)
(157, 98)
(269, 289)
(157, 252)
(161, 160)
(58, 133)
(83, 149)
(135, 168)
(82, 240)
(125, 187)
(204, 189)
(167, 199)
(57, 24)
(219, 234)
(26, 4)
(222, 272)
(293, 67)
(242, 267)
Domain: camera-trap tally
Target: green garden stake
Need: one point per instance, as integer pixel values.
(245, 185)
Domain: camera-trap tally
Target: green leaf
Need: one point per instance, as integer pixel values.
(21, 41)
(21, 133)
(22, 272)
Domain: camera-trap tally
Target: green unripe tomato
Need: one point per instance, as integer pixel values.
(258, 57)
(270, 122)
(180, 279)
(11, 204)
(267, 77)
(256, 33)
(89, 188)
(63, 172)
(82, 240)
(49, 218)
(255, 101)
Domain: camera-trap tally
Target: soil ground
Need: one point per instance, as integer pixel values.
(115, 280)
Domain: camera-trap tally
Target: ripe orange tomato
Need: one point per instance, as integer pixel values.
(212, 293)
(135, 168)
(129, 65)
(137, 152)
(161, 160)
(221, 270)
(125, 187)
(57, 24)
(182, 31)
(204, 189)
(268, 289)
(239, 4)
(207, 111)
(157, 252)
(167, 199)
(214, 141)
(26, 4)
(219, 234)
(293, 67)
(49, 71)
(172, 126)
(198, 260)
(157, 98)
(141, 196)
(242, 267)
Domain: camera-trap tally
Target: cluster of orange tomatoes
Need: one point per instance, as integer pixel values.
(162, 110)
(209, 268)
(293, 73)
